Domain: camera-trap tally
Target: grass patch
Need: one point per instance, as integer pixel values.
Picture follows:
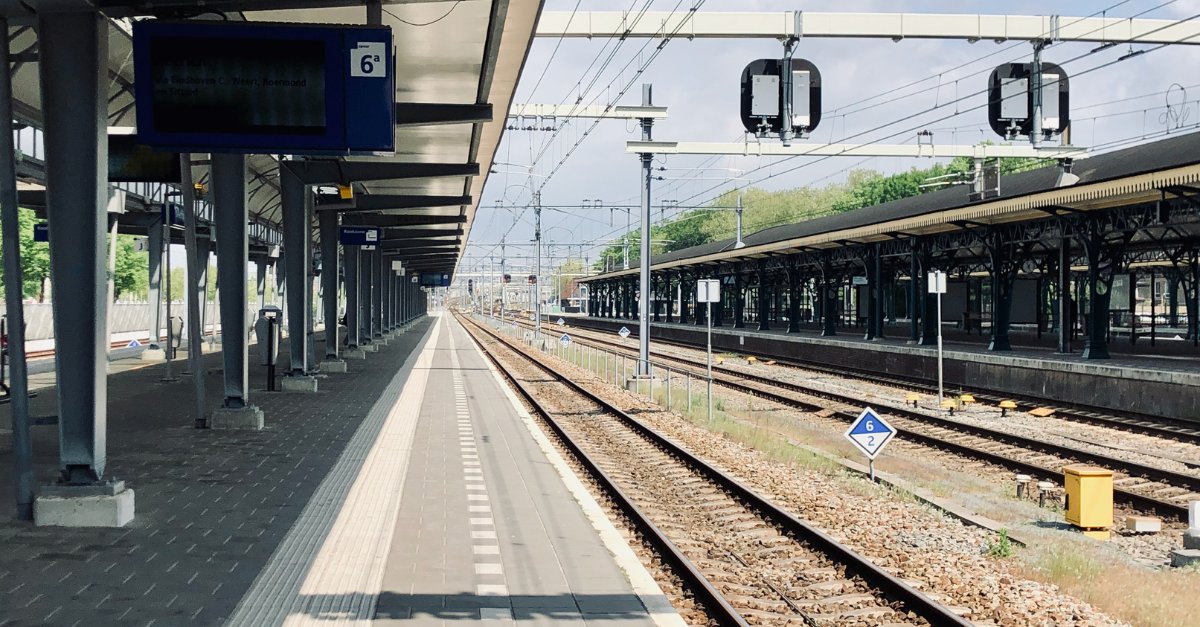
(1151, 598)
(1002, 546)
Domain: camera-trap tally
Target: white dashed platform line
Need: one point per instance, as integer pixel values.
(485, 548)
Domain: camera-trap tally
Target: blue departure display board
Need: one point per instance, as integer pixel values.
(248, 87)
(435, 279)
(358, 235)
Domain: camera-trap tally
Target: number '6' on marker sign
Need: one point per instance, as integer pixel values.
(870, 433)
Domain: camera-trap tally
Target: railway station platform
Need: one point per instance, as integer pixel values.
(411, 490)
(1153, 385)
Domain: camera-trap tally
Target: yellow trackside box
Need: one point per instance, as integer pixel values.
(1089, 496)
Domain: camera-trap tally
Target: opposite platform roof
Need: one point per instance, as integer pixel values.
(1134, 174)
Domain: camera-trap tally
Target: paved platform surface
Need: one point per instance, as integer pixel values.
(362, 503)
(211, 506)
(494, 534)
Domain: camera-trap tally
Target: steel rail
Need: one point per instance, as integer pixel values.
(914, 600)
(1132, 469)
(718, 607)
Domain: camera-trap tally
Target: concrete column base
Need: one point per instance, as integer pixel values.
(107, 504)
(642, 384)
(1191, 539)
(154, 354)
(370, 348)
(1185, 557)
(333, 365)
(303, 383)
(244, 418)
(354, 353)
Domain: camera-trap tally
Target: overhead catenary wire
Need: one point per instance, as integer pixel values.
(929, 110)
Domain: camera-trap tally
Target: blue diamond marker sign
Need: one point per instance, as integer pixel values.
(624, 332)
(870, 433)
(565, 340)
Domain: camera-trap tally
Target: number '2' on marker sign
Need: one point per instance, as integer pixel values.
(870, 433)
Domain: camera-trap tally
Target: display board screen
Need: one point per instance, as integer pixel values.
(132, 161)
(255, 87)
(241, 86)
(435, 279)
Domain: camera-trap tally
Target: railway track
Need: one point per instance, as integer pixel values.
(49, 352)
(742, 557)
(1141, 486)
(1181, 430)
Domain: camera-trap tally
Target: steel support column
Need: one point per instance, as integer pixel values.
(200, 255)
(389, 283)
(1003, 270)
(764, 299)
(365, 284)
(22, 443)
(296, 241)
(229, 214)
(154, 240)
(73, 63)
(877, 293)
(1100, 274)
(351, 285)
(872, 281)
(260, 280)
(328, 224)
(793, 277)
(929, 317)
(829, 306)
(377, 293)
(739, 301)
(914, 291)
(376, 258)
(1065, 319)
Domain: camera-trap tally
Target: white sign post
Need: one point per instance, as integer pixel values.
(870, 433)
(937, 285)
(708, 291)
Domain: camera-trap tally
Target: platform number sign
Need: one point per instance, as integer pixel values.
(367, 60)
(870, 433)
(624, 332)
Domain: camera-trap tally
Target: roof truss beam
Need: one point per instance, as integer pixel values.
(895, 26)
(403, 220)
(430, 113)
(386, 202)
(329, 171)
(755, 149)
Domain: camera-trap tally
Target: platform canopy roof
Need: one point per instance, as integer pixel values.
(457, 68)
(1129, 176)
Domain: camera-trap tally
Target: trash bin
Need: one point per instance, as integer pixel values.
(175, 332)
(267, 330)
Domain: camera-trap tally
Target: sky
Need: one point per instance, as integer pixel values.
(867, 84)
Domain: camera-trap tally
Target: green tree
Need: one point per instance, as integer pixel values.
(132, 277)
(35, 257)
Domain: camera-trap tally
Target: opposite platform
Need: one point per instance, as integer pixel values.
(1158, 386)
